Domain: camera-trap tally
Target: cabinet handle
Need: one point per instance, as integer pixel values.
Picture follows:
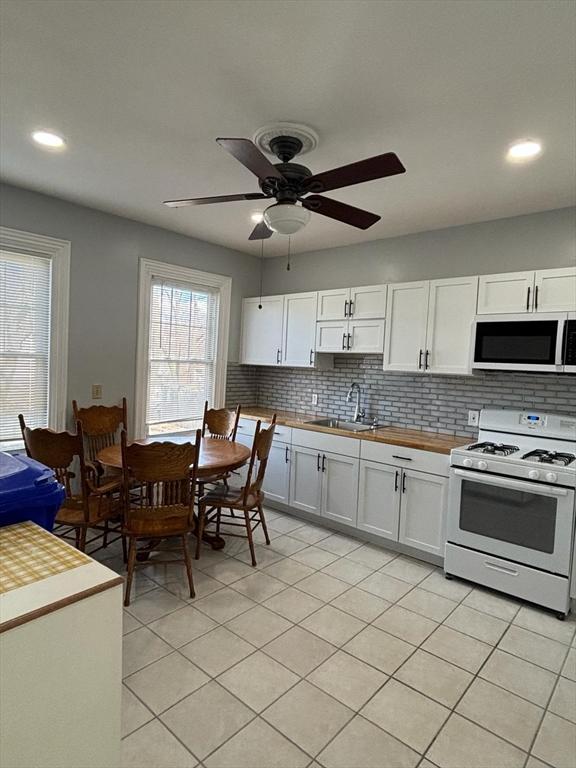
(348, 345)
(323, 462)
(346, 309)
(402, 458)
(350, 308)
(317, 462)
(396, 481)
(286, 456)
(343, 341)
(536, 297)
(426, 356)
(420, 360)
(403, 482)
(528, 300)
(311, 357)
(279, 356)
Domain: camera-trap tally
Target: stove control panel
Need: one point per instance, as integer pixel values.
(533, 420)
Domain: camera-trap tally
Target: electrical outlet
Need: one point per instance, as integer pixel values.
(473, 418)
(96, 391)
(314, 398)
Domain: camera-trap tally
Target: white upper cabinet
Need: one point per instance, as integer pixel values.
(405, 344)
(368, 302)
(555, 290)
(261, 342)
(332, 336)
(511, 292)
(299, 329)
(451, 310)
(333, 305)
(366, 336)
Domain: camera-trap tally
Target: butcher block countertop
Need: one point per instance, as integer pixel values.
(408, 438)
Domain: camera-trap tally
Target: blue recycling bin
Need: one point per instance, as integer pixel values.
(28, 491)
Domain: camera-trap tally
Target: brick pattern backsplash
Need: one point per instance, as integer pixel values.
(419, 401)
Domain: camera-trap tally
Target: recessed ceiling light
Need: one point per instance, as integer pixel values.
(257, 217)
(527, 149)
(50, 140)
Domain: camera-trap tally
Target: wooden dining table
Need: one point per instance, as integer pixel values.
(216, 457)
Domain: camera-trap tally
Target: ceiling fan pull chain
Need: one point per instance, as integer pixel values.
(288, 263)
(261, 271)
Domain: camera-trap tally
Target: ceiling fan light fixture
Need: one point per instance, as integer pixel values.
(286, 218)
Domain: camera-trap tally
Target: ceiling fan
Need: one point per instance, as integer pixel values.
(290, 183)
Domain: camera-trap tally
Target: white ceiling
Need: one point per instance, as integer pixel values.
(141, 88)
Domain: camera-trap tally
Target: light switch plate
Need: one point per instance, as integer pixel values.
(96, 391)
(473, 418)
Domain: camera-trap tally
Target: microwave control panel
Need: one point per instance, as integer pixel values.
(533, 420)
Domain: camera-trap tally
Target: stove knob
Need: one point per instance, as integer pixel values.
(551, 477)
(533, 474)
(468, 463)
(482, 465)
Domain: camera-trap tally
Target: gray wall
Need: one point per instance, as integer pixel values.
(536, 241)
(104, 283)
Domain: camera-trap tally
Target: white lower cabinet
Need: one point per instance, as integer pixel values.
(423, 504)
(339, 479)
(378, 499)
(305, 479)
(277, 478)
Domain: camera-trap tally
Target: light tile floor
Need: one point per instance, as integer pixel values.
(337, 654)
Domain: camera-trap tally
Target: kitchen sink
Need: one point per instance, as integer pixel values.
(351, 426)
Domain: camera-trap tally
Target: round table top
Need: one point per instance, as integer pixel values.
(215, 455)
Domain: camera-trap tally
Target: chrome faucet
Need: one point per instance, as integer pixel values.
(358, 412)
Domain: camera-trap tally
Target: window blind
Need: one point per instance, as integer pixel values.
(181, 355)
(25, 292)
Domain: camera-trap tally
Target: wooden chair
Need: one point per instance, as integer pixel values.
(88, 505)
(162, 505)
(247, 499)
(101, 425)
(221, 424)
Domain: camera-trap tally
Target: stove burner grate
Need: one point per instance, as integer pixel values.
(550, 457)
(497, 449)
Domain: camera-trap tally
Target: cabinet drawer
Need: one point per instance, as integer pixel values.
(506, 576)
(407, 458)
(247, 426)
(320, 441)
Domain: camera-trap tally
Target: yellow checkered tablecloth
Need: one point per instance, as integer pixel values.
(28, 554)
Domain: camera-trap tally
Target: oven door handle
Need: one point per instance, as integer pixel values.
(515, 485)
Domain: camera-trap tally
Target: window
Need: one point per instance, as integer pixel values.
(33, 333)
(183, 332)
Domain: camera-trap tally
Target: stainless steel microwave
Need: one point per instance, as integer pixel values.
(539, 342)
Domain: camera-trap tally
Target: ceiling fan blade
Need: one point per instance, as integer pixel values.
(260, 232)
(348, 214)
(208, 200)
(365, 170)
(251, 157)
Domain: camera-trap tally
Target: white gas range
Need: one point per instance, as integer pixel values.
(511, 505)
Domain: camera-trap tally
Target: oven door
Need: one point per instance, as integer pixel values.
(526, 522)
(518, 343)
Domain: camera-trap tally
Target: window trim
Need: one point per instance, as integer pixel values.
(149, 270)
(58, 251)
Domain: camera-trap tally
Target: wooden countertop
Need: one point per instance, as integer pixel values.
(408, 438)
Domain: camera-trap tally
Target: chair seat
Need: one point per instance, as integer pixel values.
(99, 510)
(158, 521)
(231, 497)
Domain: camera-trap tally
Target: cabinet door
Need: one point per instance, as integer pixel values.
(339, 487)
(422, 511)
(368, 302)
(331, 336)
(366, 336)
(262, 331)
(451, 311)
(277, 478)
(406, 326)
(299, 329)
(555, 290)
(305, 479)
(379, 499)
(508, 292)
(332, 305)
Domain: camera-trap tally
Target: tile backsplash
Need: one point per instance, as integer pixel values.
(430, 402)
